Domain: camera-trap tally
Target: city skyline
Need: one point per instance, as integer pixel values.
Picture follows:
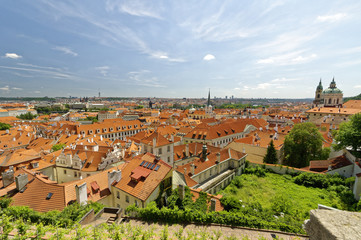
(263, 49)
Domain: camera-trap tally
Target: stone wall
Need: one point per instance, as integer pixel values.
(330, 225)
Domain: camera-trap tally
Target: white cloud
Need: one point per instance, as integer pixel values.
(103, 70)
(213, 23)
(6, 88)
(288, 59)
(283, 79)
(140, 78)
(49, 72)
(37, 92)
(161, 55)
(134, 8)
(331, 18)
(237, 88)
(65, 50)
(16, 88)
(357, 86)
(12, 55)
(209, 57)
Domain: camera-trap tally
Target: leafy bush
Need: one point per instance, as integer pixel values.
(258, 171)
(319, 180)
(68, 217)
(151, 212)
(57, 147)
(4, 126)
(5, 202)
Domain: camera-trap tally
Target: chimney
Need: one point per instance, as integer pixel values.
(204, 152)
(69, 159)
(14, 139)
(192, 168)
(229, 153)
(81, 194)
(101, 138)
(8, 177)
(157, 158)
(154, 142)
(218, 159)
(21, 180)
(181, 191)
(187, 150)
(114, 176)
(172, 138)
(185, 171)
(213, 204)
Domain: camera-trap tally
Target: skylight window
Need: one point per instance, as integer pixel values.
(49, 196)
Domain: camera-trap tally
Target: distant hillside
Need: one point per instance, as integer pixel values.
(358, 97)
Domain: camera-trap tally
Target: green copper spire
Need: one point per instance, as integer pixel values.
(319, 87)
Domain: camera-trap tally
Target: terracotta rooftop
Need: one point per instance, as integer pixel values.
(333, 163)
(144, 182)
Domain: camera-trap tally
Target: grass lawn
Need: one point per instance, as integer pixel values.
(274, 189)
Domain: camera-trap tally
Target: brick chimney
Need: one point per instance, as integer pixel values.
(8, 177)
(187, 150)
(192, 168)
(218, 159)
(21, 181)
(114, 176)
(81, 194)
(154, 142)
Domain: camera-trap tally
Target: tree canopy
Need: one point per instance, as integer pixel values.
(57, 147)
(271, 155)
(27, 116)
(4, 126)
(349, 134)
(302, 144)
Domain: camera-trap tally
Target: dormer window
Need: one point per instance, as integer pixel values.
(97, 131)
(110, 129)
(104, 130)
(130, 126)
(90, 131)
(35, 164)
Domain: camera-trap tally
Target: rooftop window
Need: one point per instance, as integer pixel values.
(49, 196)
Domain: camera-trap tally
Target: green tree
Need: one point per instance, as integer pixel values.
(271, 155)
(302, 144)
(4, 126)
(349, 134)
(27, 116)
(57, 147)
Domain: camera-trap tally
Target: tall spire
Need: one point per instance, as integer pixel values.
(209, 98)
(319, 87)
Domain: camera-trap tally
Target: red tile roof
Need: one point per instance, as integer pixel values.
(145, 186)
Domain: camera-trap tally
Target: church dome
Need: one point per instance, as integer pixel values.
(331, 90)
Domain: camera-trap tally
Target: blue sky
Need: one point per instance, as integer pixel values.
(264, 49)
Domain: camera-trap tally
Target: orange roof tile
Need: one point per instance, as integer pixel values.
(144, 187)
